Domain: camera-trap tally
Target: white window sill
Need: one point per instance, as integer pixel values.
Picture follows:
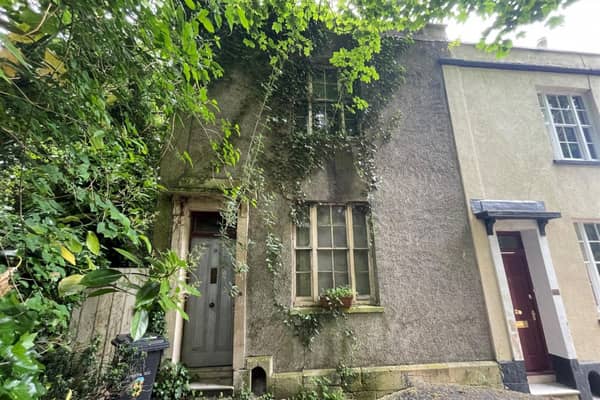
(595, 163)
(355, 309)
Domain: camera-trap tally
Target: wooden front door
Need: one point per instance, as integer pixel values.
(524, 303)
(208, 335)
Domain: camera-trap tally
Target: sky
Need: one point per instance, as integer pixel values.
(580, 30)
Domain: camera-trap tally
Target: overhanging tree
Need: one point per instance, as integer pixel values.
(90, 93)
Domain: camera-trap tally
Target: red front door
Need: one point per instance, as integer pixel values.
(524, 303)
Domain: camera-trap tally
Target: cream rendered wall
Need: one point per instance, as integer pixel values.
(505, 153)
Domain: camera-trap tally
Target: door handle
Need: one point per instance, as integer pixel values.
(518, 312)
(211, 304)
(533, 315)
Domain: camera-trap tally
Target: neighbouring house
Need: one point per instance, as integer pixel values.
(527, 134)
(475, 261)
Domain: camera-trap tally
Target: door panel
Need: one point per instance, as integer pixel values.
(208, 335)
(524, 302)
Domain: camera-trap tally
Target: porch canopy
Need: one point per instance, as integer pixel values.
(489, 211)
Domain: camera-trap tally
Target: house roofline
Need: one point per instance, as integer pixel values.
(511, 66)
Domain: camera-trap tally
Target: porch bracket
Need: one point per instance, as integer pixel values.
(489, 211)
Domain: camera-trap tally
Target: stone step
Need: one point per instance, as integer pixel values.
(541, 378)
(207, 391)
(212, 375)
(554, 390)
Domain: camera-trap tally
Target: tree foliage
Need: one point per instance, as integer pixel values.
(90, 92)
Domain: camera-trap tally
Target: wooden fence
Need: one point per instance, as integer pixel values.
(104, 317)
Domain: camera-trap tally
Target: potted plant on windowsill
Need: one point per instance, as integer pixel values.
(338, 297)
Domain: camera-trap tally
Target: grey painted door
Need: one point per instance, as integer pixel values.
(208, 335)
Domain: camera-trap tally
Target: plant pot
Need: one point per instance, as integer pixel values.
(331, 303)
(346, 301)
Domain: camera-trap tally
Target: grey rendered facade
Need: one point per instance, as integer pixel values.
(428, 317)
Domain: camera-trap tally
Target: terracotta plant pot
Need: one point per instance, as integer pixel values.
(329, 304)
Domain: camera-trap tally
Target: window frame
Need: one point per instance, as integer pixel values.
(588, 257)
(551, 126)
(313, 243)
(340, 113)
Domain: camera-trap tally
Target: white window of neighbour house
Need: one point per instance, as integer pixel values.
(588, 235)
(569, 122)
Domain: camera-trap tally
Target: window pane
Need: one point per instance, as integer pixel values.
(590, 231)
(595, 251)
(565, 150)
(361, 266)
(324, 259)
(592, 151)
(340, 261)
(302, 260)
(553, 101)
(571, 136)
(339, 216)
(557, 117)
(587, 132)
(321, 115)
(323, 217)
(583, 118)
(303, 285)
(578, 102)
(361, 260)
(318, 87)
(575, 151)
(325, 281)
(569, 117)
(341, 279)
(563, 101)
(362, 283)
(360, 226)
(339, 236)
(324, 236)
(302, 236)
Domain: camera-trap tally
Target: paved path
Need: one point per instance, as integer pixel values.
(455, 392)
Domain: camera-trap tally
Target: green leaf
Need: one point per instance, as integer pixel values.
(203, 18)
(92, 243)
(70, 285)
(242, 16)
(101, 277)
(129, 256)
(75, 246)
(102, 291)
(229, 16)
(191, 4)
(67, 255)
(147, 294)
(146, 241)
(139, 324)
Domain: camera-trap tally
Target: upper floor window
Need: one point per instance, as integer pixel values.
(588, 235)
(326, 108)
(332, 249)
(569, 122)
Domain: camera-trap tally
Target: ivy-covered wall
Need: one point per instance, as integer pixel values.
(427, 278)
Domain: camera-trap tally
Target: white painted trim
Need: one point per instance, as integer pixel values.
(545, 285)
(507, 305)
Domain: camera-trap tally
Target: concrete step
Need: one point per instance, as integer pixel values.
(541, 378)
(554, 390)
(208, 391)
(212, 375)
